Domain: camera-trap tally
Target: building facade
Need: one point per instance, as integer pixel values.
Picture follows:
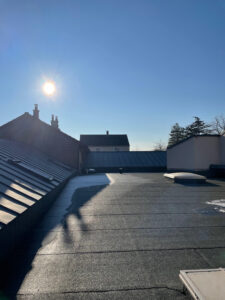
(197, 153)
(49, 139)
(105, 142)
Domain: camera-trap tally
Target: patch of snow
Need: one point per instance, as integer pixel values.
(91, 180)
(219, 204)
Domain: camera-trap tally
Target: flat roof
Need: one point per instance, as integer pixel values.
(126, 240)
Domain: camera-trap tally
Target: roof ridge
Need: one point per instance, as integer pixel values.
(46, 124)
(8, 123)
(105, 139)
(102, 134)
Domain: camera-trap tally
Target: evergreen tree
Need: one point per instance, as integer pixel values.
(198, 127)
(177, 134)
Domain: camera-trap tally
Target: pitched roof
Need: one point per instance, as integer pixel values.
(42, 136)
(37, 124)
(104, 139)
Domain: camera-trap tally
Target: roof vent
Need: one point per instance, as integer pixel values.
(107, 132)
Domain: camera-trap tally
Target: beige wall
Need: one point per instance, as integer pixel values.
(207, 152)
(222, 152)
(181, 156)
(113, 148)
(197, 153)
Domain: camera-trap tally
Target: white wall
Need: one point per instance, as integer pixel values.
(197, 153)
(111, 148)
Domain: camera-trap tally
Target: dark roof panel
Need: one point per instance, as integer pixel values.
(22, 183)
(23, 178)
(125, 159)
(104, 139)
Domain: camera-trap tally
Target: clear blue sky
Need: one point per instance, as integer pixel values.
(126, 66)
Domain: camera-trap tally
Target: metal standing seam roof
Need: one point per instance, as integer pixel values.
(26, 175)
(126, 159)
(104, 139)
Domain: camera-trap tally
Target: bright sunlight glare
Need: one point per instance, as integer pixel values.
(49, 88)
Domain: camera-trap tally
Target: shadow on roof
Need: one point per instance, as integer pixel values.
(21, 263)
(198, 184)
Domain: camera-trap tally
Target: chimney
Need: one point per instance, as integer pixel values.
(55, 122)
(52, 121)
(107, 132)
(36, 111)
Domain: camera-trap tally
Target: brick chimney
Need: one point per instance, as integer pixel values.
(36, 111)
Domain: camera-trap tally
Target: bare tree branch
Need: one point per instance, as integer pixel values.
(218, 125)
(159, 146)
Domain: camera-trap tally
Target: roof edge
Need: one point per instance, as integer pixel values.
(26, 114)
(13, 120)
(194, 136)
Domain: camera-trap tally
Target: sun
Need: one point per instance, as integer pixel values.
(49, 88)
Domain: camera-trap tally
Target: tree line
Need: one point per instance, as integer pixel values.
(197, 127)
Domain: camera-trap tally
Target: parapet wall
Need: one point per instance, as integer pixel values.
(15, 231)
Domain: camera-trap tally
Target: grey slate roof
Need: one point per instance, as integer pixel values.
(26, 176)
(104, 139)
(125, 159)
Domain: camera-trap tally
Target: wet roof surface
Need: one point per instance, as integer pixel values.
(26, 176)
(127, 240)
(126, 159)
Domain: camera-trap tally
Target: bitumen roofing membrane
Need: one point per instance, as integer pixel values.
(124, 240)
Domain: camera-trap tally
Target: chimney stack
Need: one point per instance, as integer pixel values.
(36, 111)
(52, 121)
(55, 122)
(107, 132)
